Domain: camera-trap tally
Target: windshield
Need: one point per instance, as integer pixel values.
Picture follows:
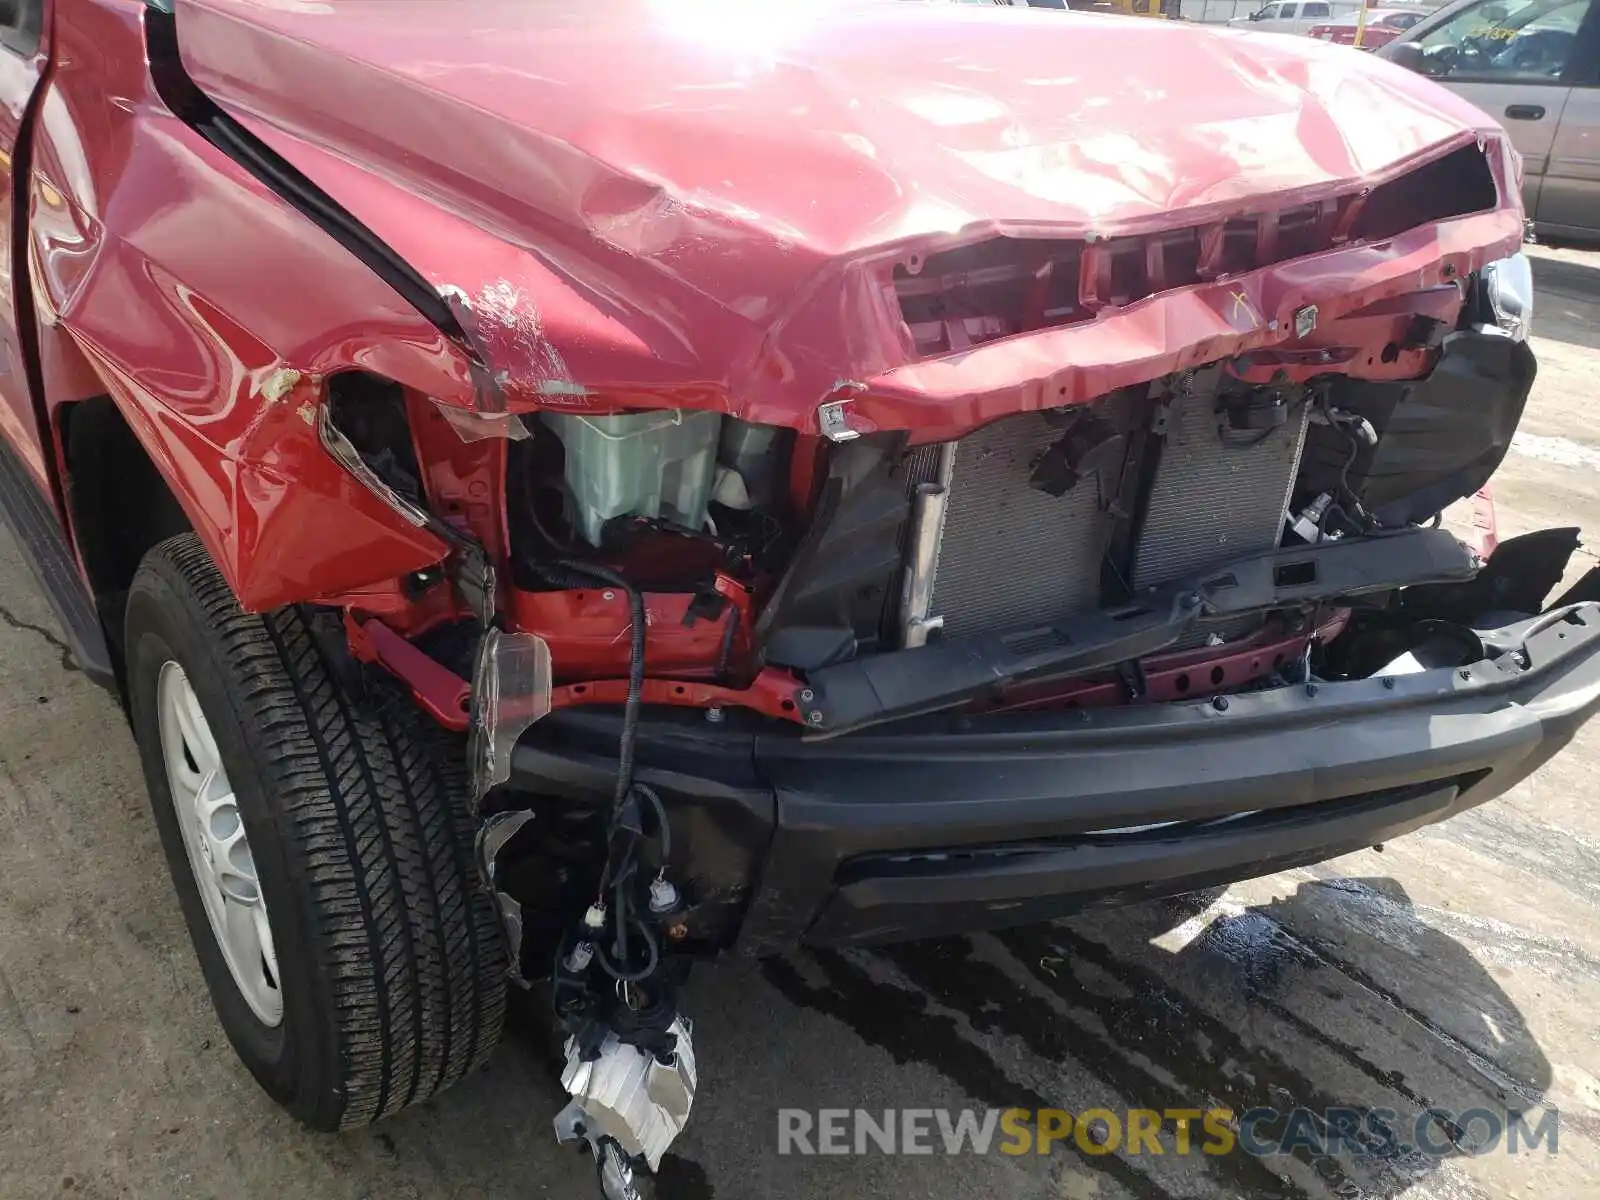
(1505, 38)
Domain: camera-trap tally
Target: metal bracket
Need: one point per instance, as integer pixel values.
(1305, 320)
(928, 509)
(833, 419)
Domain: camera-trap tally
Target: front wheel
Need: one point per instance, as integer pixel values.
(321, 847)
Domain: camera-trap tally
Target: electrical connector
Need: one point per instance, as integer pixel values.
(663, 896)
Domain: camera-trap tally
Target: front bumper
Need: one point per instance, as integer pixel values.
(950, 823)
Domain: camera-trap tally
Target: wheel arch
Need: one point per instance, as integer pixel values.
(118, 502)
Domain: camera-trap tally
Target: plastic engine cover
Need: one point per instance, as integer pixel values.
(652, 464)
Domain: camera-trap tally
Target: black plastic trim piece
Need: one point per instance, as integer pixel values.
(977, 795)
(956, 822)
(885, 687)
(840, 578)
(1440, 438)
(902, 898)
(44, 546)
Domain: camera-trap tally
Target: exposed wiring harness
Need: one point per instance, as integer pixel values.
(625, 824)
(1358, 518)
(1357, 430)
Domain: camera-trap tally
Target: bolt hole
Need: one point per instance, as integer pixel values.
(466, 703)
(1218, 674)
(679, 690)
(580, 688)
(788, 706)
(1391, 353)
(1182, 682)
(1255, 664)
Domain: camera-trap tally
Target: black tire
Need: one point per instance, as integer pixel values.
(391, 959)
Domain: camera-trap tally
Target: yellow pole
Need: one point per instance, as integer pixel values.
(1361, 24)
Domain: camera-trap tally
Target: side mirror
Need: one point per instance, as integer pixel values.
(1407, 54)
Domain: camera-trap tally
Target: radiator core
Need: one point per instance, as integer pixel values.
(1013, 556)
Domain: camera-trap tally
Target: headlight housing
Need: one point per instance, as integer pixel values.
(1508, 294)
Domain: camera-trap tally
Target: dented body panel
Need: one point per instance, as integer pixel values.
(164, 277)
(697, 207)
(710, 205)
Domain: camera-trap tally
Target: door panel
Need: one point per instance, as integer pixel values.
(21, 67)
(1571, 195)
(1530, 113)
(1570, 199)
(1516, 60)
(1312, 12)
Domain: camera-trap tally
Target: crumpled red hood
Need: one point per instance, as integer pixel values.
(637, 194)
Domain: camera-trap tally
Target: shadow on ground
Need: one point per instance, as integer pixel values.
(1565, 293)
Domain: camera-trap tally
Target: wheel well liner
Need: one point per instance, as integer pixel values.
(119, 503)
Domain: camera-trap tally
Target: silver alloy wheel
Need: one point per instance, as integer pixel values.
(218, 851)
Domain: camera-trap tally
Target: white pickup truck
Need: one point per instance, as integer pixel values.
(1293, 16)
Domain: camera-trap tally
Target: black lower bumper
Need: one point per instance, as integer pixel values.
(949, 823)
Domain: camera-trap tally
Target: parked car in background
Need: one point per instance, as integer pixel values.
(1381, 26)
(1533, 65)
(1293, 16)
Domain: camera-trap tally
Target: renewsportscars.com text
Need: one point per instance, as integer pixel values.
(1359, 1133)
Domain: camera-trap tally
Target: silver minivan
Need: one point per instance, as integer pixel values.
(1533, 65)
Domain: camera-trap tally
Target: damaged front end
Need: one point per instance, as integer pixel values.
(676, 617)
(699, 619)
(826, 584)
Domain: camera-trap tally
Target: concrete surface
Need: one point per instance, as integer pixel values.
(1459, 967)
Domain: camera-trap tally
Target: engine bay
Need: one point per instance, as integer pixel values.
(754, 559)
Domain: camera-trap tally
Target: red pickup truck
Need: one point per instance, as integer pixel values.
(563, 491)
(1377, 27)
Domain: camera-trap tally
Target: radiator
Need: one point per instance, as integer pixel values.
(1012, 555)
(1211, 503)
